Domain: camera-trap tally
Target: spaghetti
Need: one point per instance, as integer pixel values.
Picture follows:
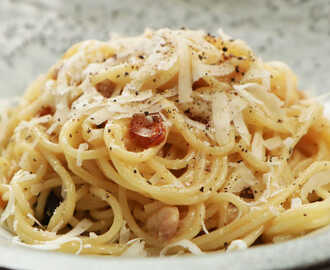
(165, 143)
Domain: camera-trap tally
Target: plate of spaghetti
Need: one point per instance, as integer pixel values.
(169, 143)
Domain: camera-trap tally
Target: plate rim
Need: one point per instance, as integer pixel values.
(290, 254)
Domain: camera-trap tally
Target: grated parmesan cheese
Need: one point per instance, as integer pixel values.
(193, 248)
(82, 147)
(237, 105)
(221, 118)
(52, 128)
(15, 225)
(203, 213)
(223, 35)
(124, 234)
(71, 236)
(258, 149)
(316, 181)
(185, 77)
(200, 70)
(288, 142)
(136, 249)
(92, 235)
(257, 72)
(257, 94)
(237, 245)
(306, 114)
(22, 176)
(296, 203)
(10, 208)
(273, 143)
(34, 220)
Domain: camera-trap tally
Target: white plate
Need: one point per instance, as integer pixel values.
(34, 33)
(297, 253)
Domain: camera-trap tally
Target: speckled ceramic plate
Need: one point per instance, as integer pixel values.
(34, 34)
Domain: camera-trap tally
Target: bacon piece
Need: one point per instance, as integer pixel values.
(2, 204)
(147, 130)
(45, 110)
(164, 223)
(105, 88)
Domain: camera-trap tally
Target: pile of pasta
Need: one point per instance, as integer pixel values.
(171, 142)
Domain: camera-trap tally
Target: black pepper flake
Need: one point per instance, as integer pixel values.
(201, 189)
(70, 135)
(141, 56)
(118, 76)
(305, 215)
(247, 193)
(109, 130)
(237, 69)
(102, 125)
(224, 49)
(126, 73)
(134, 171)
(146, 113)
(187, 111)
(148, 182)
(110, 148)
